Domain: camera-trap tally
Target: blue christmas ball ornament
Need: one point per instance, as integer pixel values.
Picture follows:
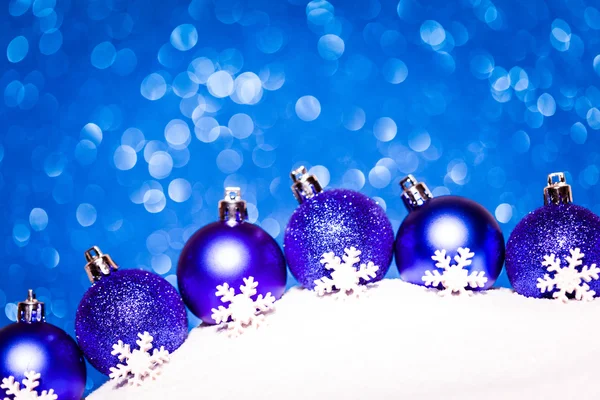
(555, 230)
(33, 345)
(122, 303)
(448, 225)
(332, 221)
(227, 251)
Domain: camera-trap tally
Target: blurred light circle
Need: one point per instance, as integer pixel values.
(546, 105)
(521, 142)
(482, 65)
(14, 94)
(560, 35)
(201, 68)
(92, 132)
(379, 177)
(270, 40)
(50, 257)
(41, 8)
(220, 84)
(322, 174)
(385, 129)
(154, 201)
(308, 108)
(177, 134)
(248, 89)
(319, 4)
(184, 37)
(504, 213)
(16, 8)
(10, 310)
(157, 242)
(499, 79)
(432, 33)
(229, 161)
(125, 62)
(241, 125)
(133, 138)
(184, 85)
(592, 17)
(578, 133)
(419, 140)
(264, 156)
(272, 76)
(103, 55)
(593, 118)
(50, 42)
(86, 214)
(153, 86)
(85, 152)
(271, 226)
(394, 71)
(353, 179)
(331, 47)
(119, 25)
(54, 164)
(180, 190)
(30, 96)
(458, 172)
(205, 129)
(161, 263)
(354, 119)
(38, 219)
(21, 234)
(596, 64)
(17, 49)
(320, 16)
(160, 165)
(519, 79)
(125, 157)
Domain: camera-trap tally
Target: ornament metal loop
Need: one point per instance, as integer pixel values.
(558, 191)
(31, 310)
(414, 194)
(232, 208)
(98, 264)
(305, 185)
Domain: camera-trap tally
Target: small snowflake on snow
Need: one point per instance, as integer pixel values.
(30, 382)
(568, 279)
(454, 278)
(242, 311)
(139, 363)
(345, 277)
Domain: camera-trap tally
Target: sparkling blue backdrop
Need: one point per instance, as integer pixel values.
(122, 121)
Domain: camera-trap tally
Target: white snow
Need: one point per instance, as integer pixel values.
(399, 342)
(569, 279)
(454, 278)
(27, 392)
(345, 278)
(242, 312)
(139, 364)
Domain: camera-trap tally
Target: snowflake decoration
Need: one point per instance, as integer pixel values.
(242, 311)
(30, 382)
(569, 279)
(454, 278)
(345, 277)
(139, 363)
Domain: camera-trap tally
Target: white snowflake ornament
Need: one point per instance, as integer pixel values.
(454, 278)
(345, 278)
(568, 279)
(242, 311)
(30, 382)
(139, 364)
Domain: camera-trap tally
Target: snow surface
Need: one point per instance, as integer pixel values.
(398, 341)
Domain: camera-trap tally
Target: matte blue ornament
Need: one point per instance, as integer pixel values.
(445, 223)
(331, 221)
(555, 228)
(32, 344)
(122, 303)
(228, 250)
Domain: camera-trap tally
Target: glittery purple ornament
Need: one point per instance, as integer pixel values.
(32, 344)
(445, 223)
(227, 251)
(555, 228)
(122, 303)
(330, 221)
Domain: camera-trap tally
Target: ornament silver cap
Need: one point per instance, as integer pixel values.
(98, 264)
(232, 208)
(305, 185)
(558, 191)
(414, 194)
(31, 310)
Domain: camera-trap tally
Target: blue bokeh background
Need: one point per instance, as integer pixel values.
(122, 121)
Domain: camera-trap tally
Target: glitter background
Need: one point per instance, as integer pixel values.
(123, 120)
